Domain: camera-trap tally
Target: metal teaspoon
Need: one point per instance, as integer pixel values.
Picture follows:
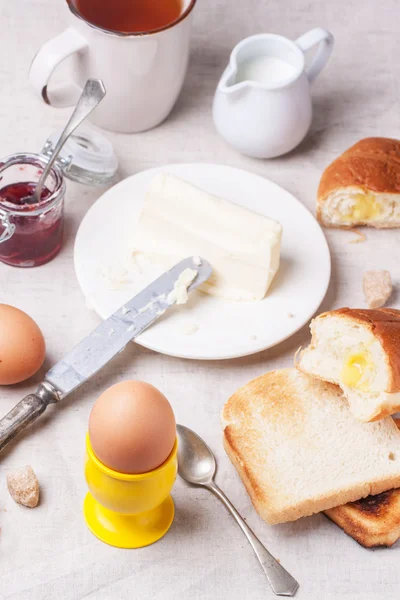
(196, 465)
(93, 93)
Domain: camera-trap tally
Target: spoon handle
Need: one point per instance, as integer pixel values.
(282, 583)
(93, 93)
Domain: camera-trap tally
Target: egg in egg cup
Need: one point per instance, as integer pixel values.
(129, 510)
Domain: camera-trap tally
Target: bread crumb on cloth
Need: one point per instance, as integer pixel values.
(361, 237)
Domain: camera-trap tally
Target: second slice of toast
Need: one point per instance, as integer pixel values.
(372, 521)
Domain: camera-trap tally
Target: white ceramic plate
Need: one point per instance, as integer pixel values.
(207, 327)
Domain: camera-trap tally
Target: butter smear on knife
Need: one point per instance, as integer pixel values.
(179, 294)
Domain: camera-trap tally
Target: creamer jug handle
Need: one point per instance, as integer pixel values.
(325, 40)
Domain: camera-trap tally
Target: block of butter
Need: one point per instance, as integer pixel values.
(180, 220)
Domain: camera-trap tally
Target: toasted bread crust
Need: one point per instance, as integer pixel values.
(250, 482)
(372, 164)
(384, 324)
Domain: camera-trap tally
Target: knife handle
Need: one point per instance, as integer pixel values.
(26, 412)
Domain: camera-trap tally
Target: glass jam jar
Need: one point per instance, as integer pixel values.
(31, 234)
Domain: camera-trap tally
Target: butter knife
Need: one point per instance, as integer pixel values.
(96, 350)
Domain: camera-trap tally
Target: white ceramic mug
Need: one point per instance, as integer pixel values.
(143, 73)
(265, 119)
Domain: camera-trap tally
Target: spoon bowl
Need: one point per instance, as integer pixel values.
(196, 462)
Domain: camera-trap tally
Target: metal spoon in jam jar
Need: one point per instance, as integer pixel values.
(93, 93)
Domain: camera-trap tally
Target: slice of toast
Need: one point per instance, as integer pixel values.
(299, 450)
(372, 521)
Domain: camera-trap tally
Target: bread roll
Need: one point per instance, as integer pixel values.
(362, 186)
(359, 350)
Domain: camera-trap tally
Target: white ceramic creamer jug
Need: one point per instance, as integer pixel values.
(262, 106)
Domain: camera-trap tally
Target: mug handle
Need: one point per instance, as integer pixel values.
(50, 55)
(325, 40)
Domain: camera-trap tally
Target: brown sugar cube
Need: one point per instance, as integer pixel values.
(23, 486)
(377, 287)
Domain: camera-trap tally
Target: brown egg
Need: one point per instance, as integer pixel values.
(132, 427)
(22, 346)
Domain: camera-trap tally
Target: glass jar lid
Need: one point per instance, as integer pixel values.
(87, 157)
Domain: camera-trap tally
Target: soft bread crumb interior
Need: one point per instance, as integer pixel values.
(352, 206)
(334, 340)
(348, 354)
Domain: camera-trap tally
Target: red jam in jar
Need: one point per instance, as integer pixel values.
(16, 193)
(30, 234)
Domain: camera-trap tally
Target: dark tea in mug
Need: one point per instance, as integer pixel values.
(129, 16)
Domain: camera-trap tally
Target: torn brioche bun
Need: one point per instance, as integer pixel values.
(359, 350)
(362, 186)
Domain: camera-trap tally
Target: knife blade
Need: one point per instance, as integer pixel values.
(101, 346)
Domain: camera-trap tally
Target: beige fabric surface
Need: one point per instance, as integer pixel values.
(47, 552)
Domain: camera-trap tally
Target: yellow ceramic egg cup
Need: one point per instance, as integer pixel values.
(129, 511)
